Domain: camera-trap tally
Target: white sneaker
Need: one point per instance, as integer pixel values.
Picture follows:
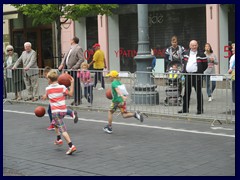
(71, 150)
(100, 88)
(139, 116)
(209, 99)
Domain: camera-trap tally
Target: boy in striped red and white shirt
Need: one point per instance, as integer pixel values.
(70, 113)
(56, 94)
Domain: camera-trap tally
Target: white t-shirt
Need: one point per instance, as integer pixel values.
(192, 62)
(232, 59)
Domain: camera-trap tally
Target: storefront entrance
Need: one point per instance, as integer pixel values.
(40, 37)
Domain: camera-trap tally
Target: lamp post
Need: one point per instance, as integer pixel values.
(144, 87)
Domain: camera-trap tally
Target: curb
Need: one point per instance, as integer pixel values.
(147, 114)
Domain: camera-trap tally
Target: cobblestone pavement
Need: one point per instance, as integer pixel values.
(157, 147)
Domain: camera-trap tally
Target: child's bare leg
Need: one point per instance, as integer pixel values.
(128, 114)
(57, 130)
(137, 115)
(66, 137)
(110, 117)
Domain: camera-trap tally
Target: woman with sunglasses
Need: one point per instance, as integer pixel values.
(14, 79)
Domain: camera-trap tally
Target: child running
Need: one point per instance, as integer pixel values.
(119, 94)
(56, 94)
(73, 114)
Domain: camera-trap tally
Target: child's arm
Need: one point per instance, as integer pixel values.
(44, 97)
(71, 87)
(89, 65)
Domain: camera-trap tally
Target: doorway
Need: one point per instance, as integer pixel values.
(41, 40)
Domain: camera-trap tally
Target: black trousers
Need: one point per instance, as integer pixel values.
(196, 82)
(77, 87)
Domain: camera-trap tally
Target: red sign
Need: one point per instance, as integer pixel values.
(132, 53)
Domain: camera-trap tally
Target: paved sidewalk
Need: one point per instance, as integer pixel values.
(221, 108)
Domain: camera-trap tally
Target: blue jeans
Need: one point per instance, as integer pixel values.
(69, 113)
(88, 93)
(209, 88)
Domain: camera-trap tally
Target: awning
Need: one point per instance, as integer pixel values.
(13, 15)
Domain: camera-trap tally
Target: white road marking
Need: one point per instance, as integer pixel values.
(135, 125)
(222, 128)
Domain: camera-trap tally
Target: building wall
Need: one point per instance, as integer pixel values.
(114, 46)
(8, 14)
(223, 32)
(80, 32)
(120, 30)
(6, 37)
(103, 36)
(67, 34)
(212, 28)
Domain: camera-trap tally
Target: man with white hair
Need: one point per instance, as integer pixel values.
(194, 64)
(30, 74)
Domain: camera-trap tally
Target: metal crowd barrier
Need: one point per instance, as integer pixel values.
(168, 100)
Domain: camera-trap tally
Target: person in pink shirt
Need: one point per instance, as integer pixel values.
(56, 94)
(85, 77)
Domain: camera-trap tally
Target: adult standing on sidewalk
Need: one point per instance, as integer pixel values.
(72, 61)
(31, 71)
(232, 71)
(99, 64)
(194, 62)
(174, 52)
(212, 61)
(14, 79)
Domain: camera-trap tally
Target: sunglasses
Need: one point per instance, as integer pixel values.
(9, 50)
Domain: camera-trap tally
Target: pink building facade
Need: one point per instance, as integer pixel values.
(117, 34)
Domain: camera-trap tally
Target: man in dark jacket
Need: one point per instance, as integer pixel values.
(194, 63)
(174, 52)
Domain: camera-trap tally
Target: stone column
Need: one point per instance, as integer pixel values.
(144, 87)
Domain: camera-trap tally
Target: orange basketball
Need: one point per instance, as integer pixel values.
(64, 79)
(39, 111)
(109, 93)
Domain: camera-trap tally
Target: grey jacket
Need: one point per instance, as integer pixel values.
(75, 59)
(211, 66)
(29, 60)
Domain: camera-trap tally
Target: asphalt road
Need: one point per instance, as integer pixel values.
(156, 147)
